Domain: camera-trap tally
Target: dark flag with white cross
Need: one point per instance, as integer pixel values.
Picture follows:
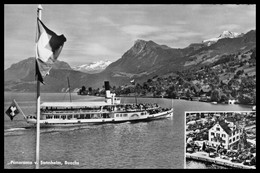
(13, 110)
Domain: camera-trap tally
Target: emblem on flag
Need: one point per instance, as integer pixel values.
(13, 110)
(48, 48)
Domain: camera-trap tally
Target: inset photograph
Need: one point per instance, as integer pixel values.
(220, 140)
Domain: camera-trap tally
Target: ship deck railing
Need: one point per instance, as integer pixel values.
(80, 111)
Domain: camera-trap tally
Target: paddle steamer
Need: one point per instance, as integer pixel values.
(109, 111)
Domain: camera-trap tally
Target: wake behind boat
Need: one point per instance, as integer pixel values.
(109, 111)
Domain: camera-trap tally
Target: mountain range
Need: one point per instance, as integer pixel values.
(225, 34)
(93, 67)
(144, 60)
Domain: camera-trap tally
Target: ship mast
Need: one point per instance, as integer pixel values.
(69, 87)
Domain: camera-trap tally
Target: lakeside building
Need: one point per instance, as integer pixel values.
(224, 133)
(231, 101)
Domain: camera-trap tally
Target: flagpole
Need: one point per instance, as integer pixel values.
(38, 108)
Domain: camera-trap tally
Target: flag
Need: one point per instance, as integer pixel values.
(13, 110)
(132, 82)
(48, 48)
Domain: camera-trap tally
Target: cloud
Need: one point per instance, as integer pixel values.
(177, 39)
(232, 6)
(195, 8)
(96, 49)
(229, 27)
(139, 30)
(180, 22)
(87, 52)
(251, 12)
(186, 34)
(94, 31)
(162, 33)
(174, 35)
(106, 21)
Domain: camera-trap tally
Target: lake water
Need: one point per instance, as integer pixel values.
(155, 144)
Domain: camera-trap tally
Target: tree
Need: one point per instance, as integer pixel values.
(215, 96)
(253, 55)
(239, 72)
(114, 88)
(149, 80)
(144, 92)
(223, 98)
(118, 90)
(188, 93)
(82, 90)
(186, 84)
(247, 85)
(138, 88)
(254, 98)
(245, 99)
(126, 91)
(234, 93)
(90, 89)
(171, 92)
(145, 86)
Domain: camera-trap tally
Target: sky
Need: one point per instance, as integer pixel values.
(106, 32)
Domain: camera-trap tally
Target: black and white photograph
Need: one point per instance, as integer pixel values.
(108, 86)
(221, 140)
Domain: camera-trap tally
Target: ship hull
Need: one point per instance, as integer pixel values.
(82, 122)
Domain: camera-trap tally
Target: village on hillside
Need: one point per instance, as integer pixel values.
(224, 138)
(231, 79)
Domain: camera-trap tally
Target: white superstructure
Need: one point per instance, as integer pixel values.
(109, 111)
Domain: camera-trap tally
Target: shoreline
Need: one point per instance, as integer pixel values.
(173, 99)
(202, 157)
(246, 105)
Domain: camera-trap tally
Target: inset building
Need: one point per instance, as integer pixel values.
(225, 133)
